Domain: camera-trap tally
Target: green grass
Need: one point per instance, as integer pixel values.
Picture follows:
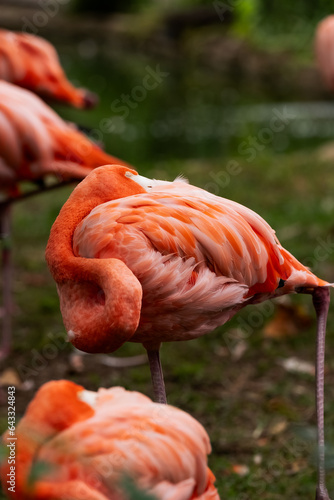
(238, 401)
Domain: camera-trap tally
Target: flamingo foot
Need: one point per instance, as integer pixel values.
(157, 376)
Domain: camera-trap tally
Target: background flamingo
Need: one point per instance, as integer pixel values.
(87, 441)
(31, 62)
(35, 143)
(324, 50)
(167, 261)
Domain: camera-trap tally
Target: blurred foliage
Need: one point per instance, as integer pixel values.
(283, 14)
(274, 25)
(278, 13)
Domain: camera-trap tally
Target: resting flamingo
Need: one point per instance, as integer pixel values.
(31, 62)
(151, 261)
(34, 144)
(88, 441)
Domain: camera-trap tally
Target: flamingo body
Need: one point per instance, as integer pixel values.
(197, 259)
(87, 441)
(31, 62)
(35, 142)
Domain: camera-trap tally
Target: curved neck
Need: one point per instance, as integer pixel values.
(101, 185)
(100, 299)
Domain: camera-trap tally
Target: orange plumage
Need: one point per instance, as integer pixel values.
(160, 263)
(86, 442)
(35, 142)
(31, 62)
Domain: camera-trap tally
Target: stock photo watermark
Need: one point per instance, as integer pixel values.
(11, 440)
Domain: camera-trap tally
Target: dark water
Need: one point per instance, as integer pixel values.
(154, 111)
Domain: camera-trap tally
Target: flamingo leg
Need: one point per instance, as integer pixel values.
(321, 305)
(5, 229)
(157, 376)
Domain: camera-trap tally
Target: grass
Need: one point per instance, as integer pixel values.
(256, 413)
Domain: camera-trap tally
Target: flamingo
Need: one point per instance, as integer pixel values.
(324, 50)
(31, 62)
(88, 441)
(34, 144)
(150, 261)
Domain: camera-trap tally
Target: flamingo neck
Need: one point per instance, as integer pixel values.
(101, 185)
(100, 299)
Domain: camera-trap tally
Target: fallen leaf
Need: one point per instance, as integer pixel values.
(288, 320)
(10, 377)
(277, 427)
(326, 152)
(262, 442)
(296, 467)
(258, 431)
(240, 469)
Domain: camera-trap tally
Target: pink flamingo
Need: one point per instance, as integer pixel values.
(324, 50)
(31, 62)
(87, 441)
(34, 144)
(150, 261)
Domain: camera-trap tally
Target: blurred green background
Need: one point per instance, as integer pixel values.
(240, 109)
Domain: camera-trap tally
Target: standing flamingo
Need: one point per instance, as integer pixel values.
(88, 441)
(35, 143)
(324, 50)
(151, 261)
(31, 62)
